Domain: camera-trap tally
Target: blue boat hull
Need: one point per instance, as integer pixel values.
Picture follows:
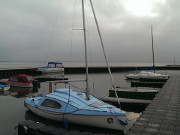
(71, 106)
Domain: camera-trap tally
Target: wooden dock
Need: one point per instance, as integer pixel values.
(162, 116)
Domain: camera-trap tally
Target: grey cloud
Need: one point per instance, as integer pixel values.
(29, 28)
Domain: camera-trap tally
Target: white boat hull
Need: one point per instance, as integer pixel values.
(147, 75)
(51, 70)
(101, 121)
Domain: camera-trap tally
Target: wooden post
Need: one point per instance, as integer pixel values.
(50, 87)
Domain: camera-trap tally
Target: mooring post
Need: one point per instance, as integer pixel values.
(50, 87)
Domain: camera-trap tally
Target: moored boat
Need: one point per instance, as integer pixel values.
(52, 67)
(71, 106)
(149, 75)
(143, 75)
(134, 93)
(21, 80)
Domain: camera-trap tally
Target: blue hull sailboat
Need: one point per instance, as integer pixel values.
(68, 105)
(72, 106)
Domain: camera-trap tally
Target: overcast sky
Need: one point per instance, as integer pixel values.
(39, 30)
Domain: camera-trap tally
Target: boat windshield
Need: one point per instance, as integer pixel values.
(51, 65)
(59, 65)
(51, 104)
(30, 78)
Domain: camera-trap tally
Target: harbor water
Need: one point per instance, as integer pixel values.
(13, 111)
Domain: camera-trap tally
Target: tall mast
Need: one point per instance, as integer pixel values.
(85, 44)
(102, 44)
(152, 47)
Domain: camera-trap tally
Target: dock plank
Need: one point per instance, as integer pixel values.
(162, 115)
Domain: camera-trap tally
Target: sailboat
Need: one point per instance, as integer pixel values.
(144, 75)
(71, 106)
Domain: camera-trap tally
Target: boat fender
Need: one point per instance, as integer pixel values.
(123, 122)
(110, 120)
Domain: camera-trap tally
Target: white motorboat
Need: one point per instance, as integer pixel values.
(52, 67)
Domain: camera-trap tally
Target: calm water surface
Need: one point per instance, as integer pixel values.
(13, 111)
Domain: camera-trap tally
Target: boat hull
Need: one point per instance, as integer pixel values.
(21, 85)
(51, 70)
(100, 121)
(147, 75)
(134, 94)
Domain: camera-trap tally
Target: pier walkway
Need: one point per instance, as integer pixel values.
(162, 116)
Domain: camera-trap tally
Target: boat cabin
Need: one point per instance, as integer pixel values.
(55, 65)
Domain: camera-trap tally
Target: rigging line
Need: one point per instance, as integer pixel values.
(52, 33)
(76, 87)
(102, 44)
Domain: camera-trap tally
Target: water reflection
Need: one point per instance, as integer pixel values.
(19, 92)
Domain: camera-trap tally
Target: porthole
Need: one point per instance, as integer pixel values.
(110, 120)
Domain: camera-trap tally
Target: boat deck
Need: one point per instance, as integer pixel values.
(162, 116)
